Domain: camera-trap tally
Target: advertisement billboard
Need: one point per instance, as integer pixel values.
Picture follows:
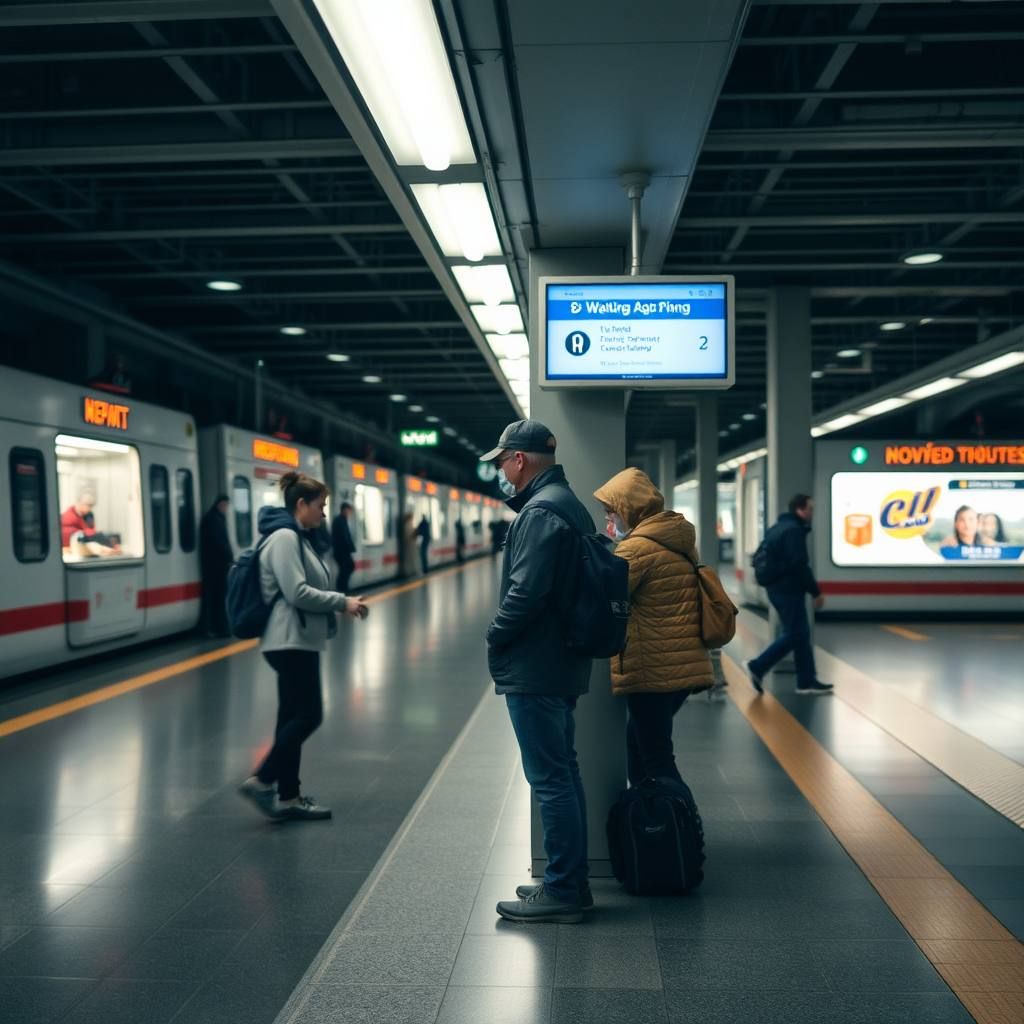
(952, 517)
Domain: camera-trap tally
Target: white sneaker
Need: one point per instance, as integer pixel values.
(302, 808)
(261, 795)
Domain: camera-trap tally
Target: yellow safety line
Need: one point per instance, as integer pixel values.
(980, 960)
(907, 634)
(105, 693)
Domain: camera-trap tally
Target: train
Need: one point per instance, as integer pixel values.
(141, 476)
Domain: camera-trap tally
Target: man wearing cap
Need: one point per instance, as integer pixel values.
(538, 674)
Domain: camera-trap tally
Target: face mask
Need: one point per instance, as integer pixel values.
(617, 528)
(507, 488)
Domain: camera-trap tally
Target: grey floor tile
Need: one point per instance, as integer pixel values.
(121, 1001)
(234, 996)
(269, 950)
(698, 917)
(371, 1004)
(1010, 913)
(508, 860)
(795, 919)
(421, 907)
(11, 933)
(495, 1006)
(597, 960)
(831, 881)
(778, 1007)
(730, 964)
(40, 1000)
(363, 958)
(876, 967)
(111, 908)
(31, 903)
(616, 911)
(316, 903)
(609, 1006)
(179, 954)
(742, 878)
(226, 904)
(524, 958)
(995, 882)
(978, 851)
(68, 952)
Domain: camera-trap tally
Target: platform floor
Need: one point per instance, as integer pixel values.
(138, 886)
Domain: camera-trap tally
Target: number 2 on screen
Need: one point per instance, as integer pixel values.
(703, 343)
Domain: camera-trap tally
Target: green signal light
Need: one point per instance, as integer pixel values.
(859, 455)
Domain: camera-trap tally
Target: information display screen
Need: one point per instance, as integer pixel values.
(937, 517)
(638, 331)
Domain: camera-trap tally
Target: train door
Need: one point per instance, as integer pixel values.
(103, 546)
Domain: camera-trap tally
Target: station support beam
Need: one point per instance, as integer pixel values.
(591, 430)
(666, 478)
(707, 478)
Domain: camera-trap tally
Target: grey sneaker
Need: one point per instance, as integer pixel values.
(262, 796)
(524, 892)
(756, 679)
(302, 808)
(815, 687)
(540, 908)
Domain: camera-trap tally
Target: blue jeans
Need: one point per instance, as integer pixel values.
(795, 637)
(546, 731)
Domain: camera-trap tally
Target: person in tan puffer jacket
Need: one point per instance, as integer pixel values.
(664, 659)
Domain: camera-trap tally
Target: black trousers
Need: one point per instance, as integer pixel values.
(214, 618)
(300, 711)
(345, 570)
(649, 750)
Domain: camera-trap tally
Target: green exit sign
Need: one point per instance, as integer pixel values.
(859, 455)
(419, 438)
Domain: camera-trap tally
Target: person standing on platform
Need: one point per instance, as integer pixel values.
(540, 677)
(423, 534)
(664, 659)
(460, 542)
(343, 546)
(295, 582)
(215, 558)
(410, 560)
(791, 579)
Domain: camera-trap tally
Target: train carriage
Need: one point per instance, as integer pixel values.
(372, 491)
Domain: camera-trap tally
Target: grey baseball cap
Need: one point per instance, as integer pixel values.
(523, 436)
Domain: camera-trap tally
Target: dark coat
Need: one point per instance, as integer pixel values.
(341, 541)
(215, 554)
(787, 541)
(526, 649)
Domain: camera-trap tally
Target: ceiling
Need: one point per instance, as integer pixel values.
(171, 143)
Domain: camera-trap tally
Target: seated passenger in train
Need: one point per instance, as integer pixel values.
(78, 531)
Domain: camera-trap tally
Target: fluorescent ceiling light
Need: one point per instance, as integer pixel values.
(450, 432)
(338, 357)
(398, 398)
(433, 419)
(882, 407)
(459, 217)
(842, 422)
(734, 426)
(817, 374)
(394, 51)
(925, 321)
(89, 444)
(848, 353)
(892, 325)
(293, 332)
(748, 416)
(371, 378)
(997, 365)
(515, 369)
(415, 408)
(818, 431)
(490, 285)
(921, 259)
(505, 319)
(509, 346)
(224, 286)
(936, 387)
(723, 433)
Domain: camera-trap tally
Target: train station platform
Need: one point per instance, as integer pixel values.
(865, 857)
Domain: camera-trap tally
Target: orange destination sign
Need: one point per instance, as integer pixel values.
(930, 454)
(271, 451)
(101, 413)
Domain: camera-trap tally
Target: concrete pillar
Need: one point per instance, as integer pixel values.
(707, 478)
(591, 430)
(666, 478)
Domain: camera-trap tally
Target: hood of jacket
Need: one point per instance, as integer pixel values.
(272, 518)
(632, 496)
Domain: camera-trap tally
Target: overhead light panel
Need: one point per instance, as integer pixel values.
(338, 357)
(398, 398)
(504, 319)
(490, 285)
(925, 321)
(433, 419)
(293, 332)
(921, 259)
(882, 407)
(817, 374)
(415, 408)
(997, 365)
(372, 378)
(848, 353)
(509, 346)
(450, 432)
(748, 416)
(394, 51)
(818, 431)
(892, 325)
(515, 369)
(460, 219)
(936, 387)
(224, 286)
(842, 422)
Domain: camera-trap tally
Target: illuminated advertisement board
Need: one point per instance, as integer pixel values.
(638, 331)
(957, 516)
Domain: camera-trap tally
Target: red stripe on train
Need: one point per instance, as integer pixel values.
(967, 588)
(41, 616)
(154, 597)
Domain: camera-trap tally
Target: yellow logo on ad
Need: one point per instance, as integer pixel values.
(908, 513)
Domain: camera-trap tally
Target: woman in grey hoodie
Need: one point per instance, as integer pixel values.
(296, 583)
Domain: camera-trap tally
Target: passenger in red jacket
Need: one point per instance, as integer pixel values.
(78, 520)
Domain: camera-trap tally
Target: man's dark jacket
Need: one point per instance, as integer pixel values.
(215, 554)
(341, 541)
(787, 542)
(526, 649)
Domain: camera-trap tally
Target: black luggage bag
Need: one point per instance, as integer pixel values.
(656, 839)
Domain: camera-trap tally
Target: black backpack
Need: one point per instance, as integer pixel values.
(656, 839)
(248, 613)
(596, 609)
(765, 564)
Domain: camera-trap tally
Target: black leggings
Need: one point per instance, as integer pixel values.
(649, 735)
(300, 711)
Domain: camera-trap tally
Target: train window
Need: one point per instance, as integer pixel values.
(369, 507)
(99, 487)
(438, 520)
(241, 502)
(389, 518)
(186, 510)
(160, 507)
(28, 505)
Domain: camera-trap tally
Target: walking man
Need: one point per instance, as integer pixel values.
(343, 546)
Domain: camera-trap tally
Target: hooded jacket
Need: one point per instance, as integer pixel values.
(663, 651)
(302, 618)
